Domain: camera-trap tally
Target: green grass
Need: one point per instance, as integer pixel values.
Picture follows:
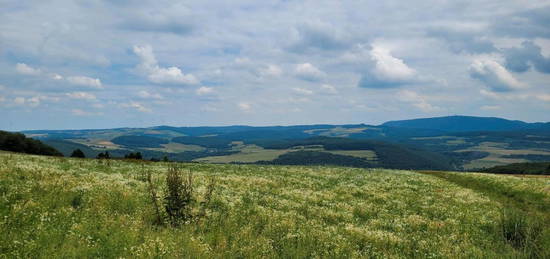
(254, 153)
(368, 154)
(59, 207)
(497, 152)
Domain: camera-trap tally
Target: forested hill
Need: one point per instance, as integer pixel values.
(466, 123)
(17, 142)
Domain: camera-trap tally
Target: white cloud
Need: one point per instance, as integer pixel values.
(147, 95)
(79, 112)
(302, 91)
(490, 107)
(209, 108)
(204, 91)
(271, 70)
(19, 100)
(543, 97)
(85, 81)
(25, 69)
(245, 107)
(81, 96)
(75, 80)
(386, 71)
(329, 89)
(388, 67)
(137, 106)
(56, 76)
(416, 100)
(98, 105)
(30, 102)
(494, 75)
(159, 75)
(308, 72)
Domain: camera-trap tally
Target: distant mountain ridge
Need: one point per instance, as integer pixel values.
(442, 143)
(459, 123)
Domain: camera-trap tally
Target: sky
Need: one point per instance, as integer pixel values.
(136, 63)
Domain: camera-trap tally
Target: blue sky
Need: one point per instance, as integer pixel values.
(129, 63)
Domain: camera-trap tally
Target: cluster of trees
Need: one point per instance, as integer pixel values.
(132, 155)
(389, 155)
(538, 168)
(318, 158)
(103, 155)
(17, 142)
(78, 153)
(139, 141)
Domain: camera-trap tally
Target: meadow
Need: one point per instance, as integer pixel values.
(60, 207)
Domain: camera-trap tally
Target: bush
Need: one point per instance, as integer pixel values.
(181, 205)
(103, 155)
(136, 155)
(78, 153)
(519, 231)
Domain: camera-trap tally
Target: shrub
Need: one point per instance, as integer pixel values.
(78, 153)
(136, 155)
(103, 155)
(181, 205)
(519, 231)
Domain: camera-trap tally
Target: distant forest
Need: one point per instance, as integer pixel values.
(540, 168)
(17, 142)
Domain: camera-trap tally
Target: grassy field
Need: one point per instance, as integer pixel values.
(496, 152)
(254, 153)
(59, 207)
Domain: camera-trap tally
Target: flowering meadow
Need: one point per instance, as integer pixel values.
(59, 207)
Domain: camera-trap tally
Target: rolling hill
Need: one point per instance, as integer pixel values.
(454, 142)
(465, 124)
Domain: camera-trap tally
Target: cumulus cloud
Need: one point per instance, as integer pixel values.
(55, 76)
(490, 107)
(523, 58)
(463, 39)
(147, 95)
(543, 97)
(167, 19)
(417, 101)
(244, 106)
(19, 100)
(25, 69)
(387, 70)
(159, 75)
(80, 112)
(85, 81)
(205, 90)
(530, 23)
(81, 96)
(494, 75)
(328, 89)
(137, 106)
(308, 72)
(29, 102)
(317, 36)
(271, 71)
(302, 91)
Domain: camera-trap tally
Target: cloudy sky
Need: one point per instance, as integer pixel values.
(134, 63)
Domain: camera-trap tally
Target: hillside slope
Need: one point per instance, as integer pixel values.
(60, 207)
(465, 123)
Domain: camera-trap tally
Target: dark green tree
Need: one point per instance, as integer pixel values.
(136, 155)
(103, 155)
(78, 153)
